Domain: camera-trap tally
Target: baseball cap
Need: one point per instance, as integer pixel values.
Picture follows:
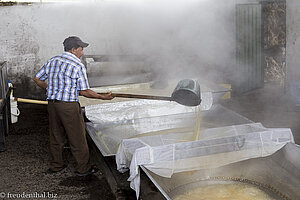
(73, 41)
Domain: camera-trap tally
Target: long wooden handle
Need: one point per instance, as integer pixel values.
(139, 96)
(31, 101)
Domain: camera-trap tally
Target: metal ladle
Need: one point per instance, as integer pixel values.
(187, 92)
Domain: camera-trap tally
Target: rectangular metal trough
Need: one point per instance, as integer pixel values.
(107, 137)
(278, 175)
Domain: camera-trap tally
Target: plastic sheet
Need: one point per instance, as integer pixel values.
(135, 109)
(109, 136)
(217, 147)
(109, 133)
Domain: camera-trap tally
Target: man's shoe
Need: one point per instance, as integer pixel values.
(92, 170)
(51, 171)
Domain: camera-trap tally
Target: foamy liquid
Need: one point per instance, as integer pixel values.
(225, 192)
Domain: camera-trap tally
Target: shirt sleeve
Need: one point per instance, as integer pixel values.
(83, 83)
(42, 73)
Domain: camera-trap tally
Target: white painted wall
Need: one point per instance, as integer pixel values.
(188, 34)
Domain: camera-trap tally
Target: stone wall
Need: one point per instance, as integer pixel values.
(274, 41)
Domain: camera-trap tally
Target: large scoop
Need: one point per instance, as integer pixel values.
(187, 92)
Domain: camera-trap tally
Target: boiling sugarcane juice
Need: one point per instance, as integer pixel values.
(225, 192)
(221, 191)
(194, 129)
(197, 122)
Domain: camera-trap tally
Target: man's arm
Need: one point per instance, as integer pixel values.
(91, 94)
(41, 84)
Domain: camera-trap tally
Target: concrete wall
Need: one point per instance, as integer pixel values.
(293, 51)
(189, 35)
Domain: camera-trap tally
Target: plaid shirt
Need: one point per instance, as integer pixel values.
(66, 77)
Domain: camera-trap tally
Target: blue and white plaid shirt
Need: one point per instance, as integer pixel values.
(66, 77)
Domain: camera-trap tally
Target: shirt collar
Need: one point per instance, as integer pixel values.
(72, 55)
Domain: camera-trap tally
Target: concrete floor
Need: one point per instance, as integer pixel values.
(23, 164)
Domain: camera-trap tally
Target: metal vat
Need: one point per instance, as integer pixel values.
(278, 175)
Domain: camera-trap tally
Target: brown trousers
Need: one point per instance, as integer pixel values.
(65, 118)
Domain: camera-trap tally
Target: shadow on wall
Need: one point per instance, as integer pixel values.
(26, 88)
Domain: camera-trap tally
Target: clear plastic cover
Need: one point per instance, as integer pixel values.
(135, 121)
(217, 147)
(277, 174)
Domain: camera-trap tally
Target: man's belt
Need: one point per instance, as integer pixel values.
(53, 100)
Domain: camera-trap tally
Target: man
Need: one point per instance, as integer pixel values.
(67, 79)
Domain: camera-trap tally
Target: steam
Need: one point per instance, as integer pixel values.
(181, 39)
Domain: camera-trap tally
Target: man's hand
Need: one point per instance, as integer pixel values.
(107, 96)
(41, 84)
(91, 94)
